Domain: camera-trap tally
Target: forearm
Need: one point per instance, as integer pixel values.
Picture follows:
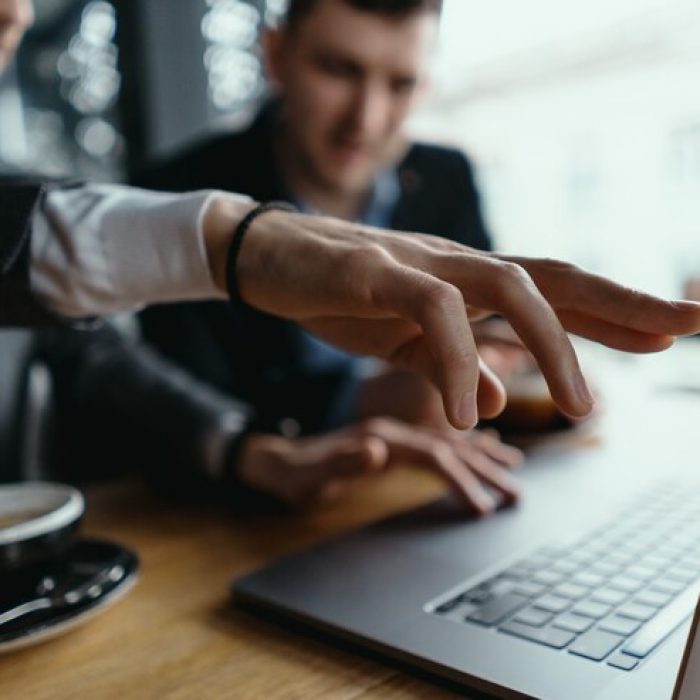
(124, 397)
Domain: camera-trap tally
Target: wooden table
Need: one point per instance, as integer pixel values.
(176, 636)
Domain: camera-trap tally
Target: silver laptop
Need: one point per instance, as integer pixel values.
(585, 591)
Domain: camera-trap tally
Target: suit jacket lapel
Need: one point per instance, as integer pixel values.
(408, 206)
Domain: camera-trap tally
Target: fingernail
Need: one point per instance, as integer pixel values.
(467, 412)
(583, 391)
(687, 304)
(486, 507)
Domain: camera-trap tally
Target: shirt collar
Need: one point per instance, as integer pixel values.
(380, 204)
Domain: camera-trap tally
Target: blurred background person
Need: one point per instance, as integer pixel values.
(331, 139)
(346, 75)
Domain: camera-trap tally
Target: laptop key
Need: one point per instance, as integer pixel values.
(478, 596)
(501, 586)
(603, 569)
(670, 552)
(586, 578)
(448, 606)
(573, 623)
(552, 552)
(624, 662)
(527, 588)
(461, 611)
(596, 644)
(654, 598)
(609, 596)
(690, 560)
(552, 603)
(582, 558)
(589, 608)
(534, 563)
(624, 626)
(618, 559)
(498, 609)
(642, 573)
(661, 626)
(667, 585)
(637, 612)
(517, 573)
(548, 577)
(565, 567)
(682, 574)
(626, 584)
(571, 591)
(533, 617)
(655, 561)
(549, 636)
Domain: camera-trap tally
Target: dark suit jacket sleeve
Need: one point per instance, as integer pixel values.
(469, 224)
(457, 200)
(123, 403)
(19, 199)
(439, 196)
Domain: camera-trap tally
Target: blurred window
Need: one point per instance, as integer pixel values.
(64, 119)
(584, 122)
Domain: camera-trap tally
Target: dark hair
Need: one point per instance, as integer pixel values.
(297, 9)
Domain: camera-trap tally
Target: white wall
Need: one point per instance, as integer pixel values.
(584, 122)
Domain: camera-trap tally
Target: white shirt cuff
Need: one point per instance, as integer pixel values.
(103, 249)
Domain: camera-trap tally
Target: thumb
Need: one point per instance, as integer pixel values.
(491, 395)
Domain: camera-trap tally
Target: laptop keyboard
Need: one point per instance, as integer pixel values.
(611, 597)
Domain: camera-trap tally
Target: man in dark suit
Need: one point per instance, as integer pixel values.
(347, 75)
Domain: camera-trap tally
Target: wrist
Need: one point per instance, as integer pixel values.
(257, 459)
(224, 213)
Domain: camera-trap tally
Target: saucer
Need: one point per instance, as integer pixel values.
(48, 600)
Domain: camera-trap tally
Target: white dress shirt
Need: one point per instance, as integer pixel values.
(98, 250)
(103, 249)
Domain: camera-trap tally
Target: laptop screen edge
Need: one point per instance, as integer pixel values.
(687, 687)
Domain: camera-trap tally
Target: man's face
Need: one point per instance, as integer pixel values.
(15, 17)
(349, 79)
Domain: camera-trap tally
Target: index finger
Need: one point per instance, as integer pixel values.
(508, 289)
(569, 288)
(438, 308)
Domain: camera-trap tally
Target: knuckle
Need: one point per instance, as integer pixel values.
(442, 295)
(559, 266)
(373, 426)
(366, 444)
(362, 266)
(363, 448)
(365, 255)
(512, 274)
(511, 281)
(440, 452)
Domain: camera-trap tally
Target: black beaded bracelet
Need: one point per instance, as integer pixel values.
(237, 242)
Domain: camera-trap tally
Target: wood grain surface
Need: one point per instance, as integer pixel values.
(176, 636)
